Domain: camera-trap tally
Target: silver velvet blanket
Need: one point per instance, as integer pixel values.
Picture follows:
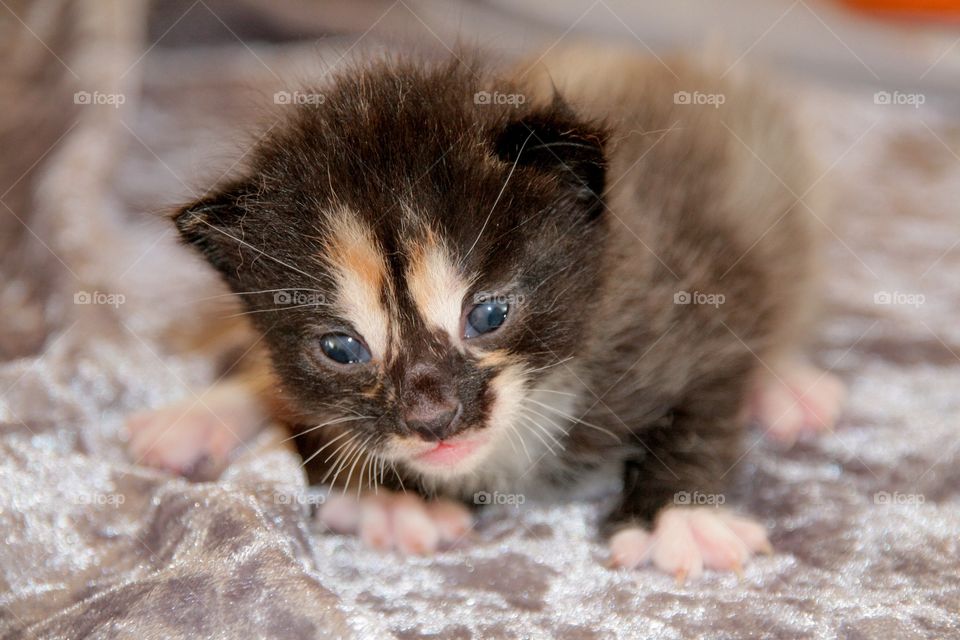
(865, 520)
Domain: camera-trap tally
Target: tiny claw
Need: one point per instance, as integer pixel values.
(681, 577)
(738, 569)
(766, 548)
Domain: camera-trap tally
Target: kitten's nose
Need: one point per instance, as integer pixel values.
(433, 421)
(431, 405)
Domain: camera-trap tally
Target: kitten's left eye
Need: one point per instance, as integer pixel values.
(344, 349)
(484, 318)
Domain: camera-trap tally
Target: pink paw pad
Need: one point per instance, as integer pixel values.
(797, 400)
(388, 520)
(686, 540)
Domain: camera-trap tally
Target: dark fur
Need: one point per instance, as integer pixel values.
(667, 380)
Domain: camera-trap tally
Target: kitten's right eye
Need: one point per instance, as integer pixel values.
(344, 349)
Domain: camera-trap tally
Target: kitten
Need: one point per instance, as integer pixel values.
(470, 280)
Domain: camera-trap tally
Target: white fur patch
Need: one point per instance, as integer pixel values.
(539, 424)
(437, 287)
(359, 271)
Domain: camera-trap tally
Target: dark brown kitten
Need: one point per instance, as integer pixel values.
(470, 280)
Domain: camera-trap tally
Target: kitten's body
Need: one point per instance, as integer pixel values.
(704, 199)
(654, 254)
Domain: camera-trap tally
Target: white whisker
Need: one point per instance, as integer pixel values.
(513, 445)
(327, 424)
(317, 452)
(251, 293)
(575, 419)
(275, 309)
(523, 444)
(543, 428)
(260, 251)
(499, 195)
(530, 423)
(337, 451)
(361, 451)
(342, 460)
(549, 366)
(563, 393)
(393, 466)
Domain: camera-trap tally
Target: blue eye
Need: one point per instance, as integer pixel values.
(344, 349)
(484, 318)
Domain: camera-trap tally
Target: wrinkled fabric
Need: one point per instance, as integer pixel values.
(864, 520)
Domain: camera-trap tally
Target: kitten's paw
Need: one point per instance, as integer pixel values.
(798, 400)
(685, 540)
(404, 522)
(194, 438)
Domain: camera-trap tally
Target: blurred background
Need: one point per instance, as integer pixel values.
(900, 44)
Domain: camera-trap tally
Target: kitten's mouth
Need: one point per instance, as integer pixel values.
(449, 457)
(448, 453)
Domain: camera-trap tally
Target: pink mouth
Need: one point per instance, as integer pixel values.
(449, 453)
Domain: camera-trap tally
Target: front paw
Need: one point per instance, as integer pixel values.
(404, 522)
(195, 438)
(188, 439)
(685, 540)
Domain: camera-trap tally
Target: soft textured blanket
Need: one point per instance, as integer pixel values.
(865, 520)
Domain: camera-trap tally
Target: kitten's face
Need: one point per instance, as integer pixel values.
(417, 262)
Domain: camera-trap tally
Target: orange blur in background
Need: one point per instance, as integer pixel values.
(930, 9)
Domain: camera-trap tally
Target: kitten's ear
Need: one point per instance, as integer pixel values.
(211, 225)
(554, 140)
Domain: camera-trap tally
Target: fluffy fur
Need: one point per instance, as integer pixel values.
(594, 203)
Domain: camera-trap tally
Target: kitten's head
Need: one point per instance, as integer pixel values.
(419, 249)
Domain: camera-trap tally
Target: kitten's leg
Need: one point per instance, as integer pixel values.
(794, 399)
(390, 520)
(670, 512)
(197, 435)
